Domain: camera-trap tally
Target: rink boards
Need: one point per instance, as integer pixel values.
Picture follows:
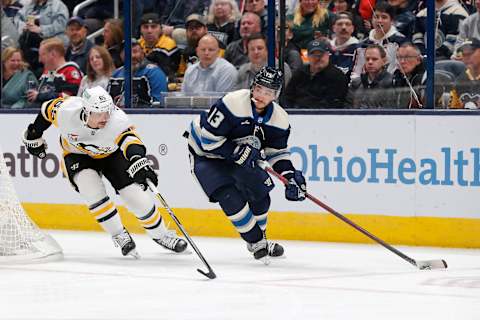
(410, 179)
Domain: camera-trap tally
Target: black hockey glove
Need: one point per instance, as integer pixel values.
(246, 156)
(297, 187)
(34, 142)
(140, 170)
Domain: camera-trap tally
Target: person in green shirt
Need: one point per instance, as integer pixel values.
(16, 79)
(311, 20)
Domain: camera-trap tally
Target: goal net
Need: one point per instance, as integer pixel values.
(21, 240)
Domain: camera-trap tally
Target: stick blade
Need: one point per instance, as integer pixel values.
(210, 274)
(431, 264)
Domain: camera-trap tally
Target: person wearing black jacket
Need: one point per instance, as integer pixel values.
(373, 89)
(319, 84)
(404, 18)
(408, 79)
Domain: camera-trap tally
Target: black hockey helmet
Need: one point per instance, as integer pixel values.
(269, 77)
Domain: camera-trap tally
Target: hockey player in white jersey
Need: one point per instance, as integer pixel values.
(98, 140)
(225, 145)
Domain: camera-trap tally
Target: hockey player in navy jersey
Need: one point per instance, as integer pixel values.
(225, 144)
(98, 140)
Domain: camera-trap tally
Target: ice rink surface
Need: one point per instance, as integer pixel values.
(315, 281)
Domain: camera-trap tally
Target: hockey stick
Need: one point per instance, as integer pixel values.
(210, 274)
(422, 265)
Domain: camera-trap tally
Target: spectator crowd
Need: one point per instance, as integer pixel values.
(363, 54)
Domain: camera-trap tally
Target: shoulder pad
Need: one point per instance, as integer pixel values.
(49, 108)
(238, 103)
(279, 117)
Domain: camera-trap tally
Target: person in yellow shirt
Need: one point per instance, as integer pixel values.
(158, 47)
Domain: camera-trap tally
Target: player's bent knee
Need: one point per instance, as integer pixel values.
(230, 199)
(136, 199)
(261, 206)
(90, 185)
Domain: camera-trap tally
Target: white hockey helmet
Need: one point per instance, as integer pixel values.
(97, 100)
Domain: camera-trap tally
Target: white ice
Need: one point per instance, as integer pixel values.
(315, 281)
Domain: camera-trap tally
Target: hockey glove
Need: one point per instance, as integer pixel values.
(297, 187)
(246, 156)
(34, 142)
(140, 170)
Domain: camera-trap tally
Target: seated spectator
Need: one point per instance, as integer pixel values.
(39, 20)
(148, 81)
(408, 79)
(291, 52)
(343, 43)
(79, 46)
(359, 29)
(258, 56)
(11, 8)
(383, 33)
(258, 7)
(404, 18)
(99, 69)
(222, 16)
(374, 86)
(113, 40)
(16, 79)
(468, 29)
(236, 52)
(95, 14)
(158, 47)
(211, 73)
(466, 93)
(9, 33)
(196, 28)
(450, 14)
(319, 84)
(384, 30)
(59, 79)
(177, 11)
(311, 20)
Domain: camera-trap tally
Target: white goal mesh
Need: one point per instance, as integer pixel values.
(20, 238)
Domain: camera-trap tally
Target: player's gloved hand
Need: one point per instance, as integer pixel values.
(297, 187)
(246, 156)
(34, 142)
(140, 170)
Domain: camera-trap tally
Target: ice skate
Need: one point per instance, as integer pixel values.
(126, 243)
(259, 250)
(274, 249)
(171, 242)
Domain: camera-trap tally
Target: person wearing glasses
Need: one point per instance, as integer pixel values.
(407, 79)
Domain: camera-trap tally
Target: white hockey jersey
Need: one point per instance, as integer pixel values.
(77, 137)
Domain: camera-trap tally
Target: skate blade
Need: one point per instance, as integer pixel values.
(185, 252)
(265, 260)
(134, 253)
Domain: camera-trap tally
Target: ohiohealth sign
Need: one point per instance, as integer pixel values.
(446, 168)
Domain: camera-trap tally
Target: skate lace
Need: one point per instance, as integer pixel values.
(258, 245)
(271, 247)
(121, 239)
(169, 239)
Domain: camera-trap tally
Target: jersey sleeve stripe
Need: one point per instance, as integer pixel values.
(122, 136)
(49, 110)
(127, 143)
(210, 141)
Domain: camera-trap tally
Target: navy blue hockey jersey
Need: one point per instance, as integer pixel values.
(233, 121)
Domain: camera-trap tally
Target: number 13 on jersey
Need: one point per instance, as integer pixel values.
(215, 118)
